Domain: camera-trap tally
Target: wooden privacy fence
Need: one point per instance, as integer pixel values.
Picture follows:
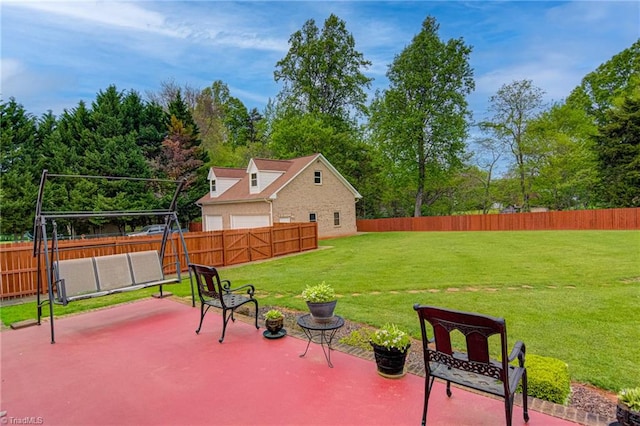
(18, 268)
(564, 220)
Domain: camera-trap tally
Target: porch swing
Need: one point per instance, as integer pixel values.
(70, 279)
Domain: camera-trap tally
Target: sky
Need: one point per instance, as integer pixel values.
(55, 54)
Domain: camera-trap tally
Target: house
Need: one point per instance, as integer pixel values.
(306, 189)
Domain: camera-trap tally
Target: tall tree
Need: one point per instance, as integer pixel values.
(562, 162)
(420, 121)
(615, 78)
(182, 156)
(618, 149)
(513, 106)
(322, 71)
(18, 156)
(487, 155)
(324, 92)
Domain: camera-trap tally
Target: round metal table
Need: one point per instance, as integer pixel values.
(323, 332)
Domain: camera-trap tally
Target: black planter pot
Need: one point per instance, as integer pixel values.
(390, 362)
(626, 417)
(322, 312)
(274, 325)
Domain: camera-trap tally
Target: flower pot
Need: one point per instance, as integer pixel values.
(274, 325)
(322, 312)
(390, 362)
(627, 417)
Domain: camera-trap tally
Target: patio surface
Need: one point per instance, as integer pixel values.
(141, 363)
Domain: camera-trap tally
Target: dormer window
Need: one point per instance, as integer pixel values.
(317, 177)
(213, 185)
(254, 180)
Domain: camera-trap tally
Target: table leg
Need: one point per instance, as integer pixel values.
(310, 337)
(327, 352)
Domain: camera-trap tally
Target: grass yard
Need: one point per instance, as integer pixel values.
(571, 295)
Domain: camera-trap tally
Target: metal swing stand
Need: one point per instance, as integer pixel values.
(42, 247)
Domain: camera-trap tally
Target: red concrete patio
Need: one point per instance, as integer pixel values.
(142, 364)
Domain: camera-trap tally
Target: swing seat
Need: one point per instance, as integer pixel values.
(77, 279)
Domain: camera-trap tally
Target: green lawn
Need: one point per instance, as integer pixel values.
(571, 295)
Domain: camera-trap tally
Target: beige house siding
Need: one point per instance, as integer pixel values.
(302, 196)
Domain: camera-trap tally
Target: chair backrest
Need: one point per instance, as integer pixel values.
(208, 281)
(476, 328)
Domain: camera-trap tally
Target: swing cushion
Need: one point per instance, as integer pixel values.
(113, 271)
(79, 276)
(103, 275)
(146, 267)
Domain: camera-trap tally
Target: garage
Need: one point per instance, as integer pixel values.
(212, 223)
(249, 221)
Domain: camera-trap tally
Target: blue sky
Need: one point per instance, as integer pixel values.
(55, 54)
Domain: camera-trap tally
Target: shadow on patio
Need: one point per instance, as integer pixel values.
(142, 363)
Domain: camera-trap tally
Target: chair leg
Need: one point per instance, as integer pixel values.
(203, 311)
(525, 397)
(225, 320)
(449, 389)
(427, 393)
(508, 408)
(256, 303)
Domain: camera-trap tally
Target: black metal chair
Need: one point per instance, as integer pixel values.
(218, 293)
(473, 368)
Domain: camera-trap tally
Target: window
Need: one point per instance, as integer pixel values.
(254, 179)
(317, 177)
(336, 218)
(313, 217)
(213, 185)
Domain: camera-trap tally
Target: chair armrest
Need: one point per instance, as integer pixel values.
(518, 351)
(250, 288)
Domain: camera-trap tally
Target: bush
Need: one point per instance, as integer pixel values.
(358, 338)
(548, 379)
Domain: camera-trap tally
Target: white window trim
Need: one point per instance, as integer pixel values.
(315, 175)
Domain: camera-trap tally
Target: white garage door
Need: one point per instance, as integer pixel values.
(213, 223)
(240, 222)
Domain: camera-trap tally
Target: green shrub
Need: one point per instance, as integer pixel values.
(358, 338)
(548, 379)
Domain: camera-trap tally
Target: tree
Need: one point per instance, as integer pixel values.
(487, 155)
(182, 157)
(615, 78)
(420, 122)
(321, 71)
(324, 91)
(562, 162)
(18, 157)
(618, 149)
(513, 106)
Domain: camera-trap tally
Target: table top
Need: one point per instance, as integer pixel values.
(307, 321)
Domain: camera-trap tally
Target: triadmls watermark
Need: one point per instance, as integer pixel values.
(26, 420)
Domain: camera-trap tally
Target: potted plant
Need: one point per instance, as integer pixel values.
(628, 409)
(321, 300)
(274, 320)
(390, 346)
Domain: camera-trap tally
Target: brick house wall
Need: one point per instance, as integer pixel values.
(302, 197)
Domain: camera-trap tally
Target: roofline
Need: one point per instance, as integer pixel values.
(253, 200)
